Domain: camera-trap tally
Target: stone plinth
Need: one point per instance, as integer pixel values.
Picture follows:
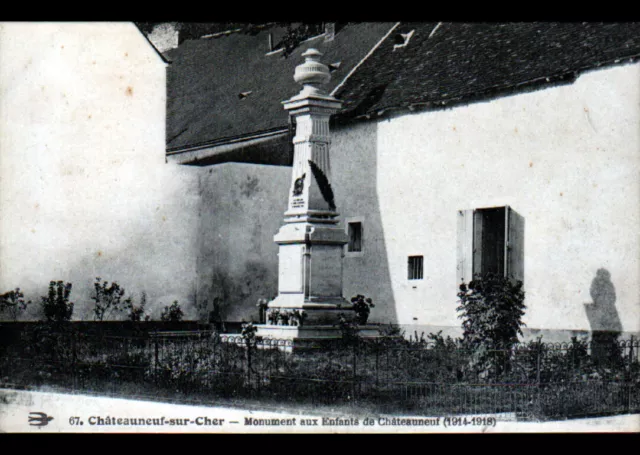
(310, 272)
(310, 336)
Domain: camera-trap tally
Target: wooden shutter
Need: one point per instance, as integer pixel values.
(477, 242)
(464, 248)
(514, 245)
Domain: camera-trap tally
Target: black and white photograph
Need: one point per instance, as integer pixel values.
(320, 227)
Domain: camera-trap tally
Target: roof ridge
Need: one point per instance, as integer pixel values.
(371, 51)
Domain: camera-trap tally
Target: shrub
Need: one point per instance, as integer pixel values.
(12, 303)
(449, 361)
(137, 312)
(362, 306)
(491, 307)
(348, 330)
(442, 343)
(172, 313)
(108, 300)
(55, 305)
(391, 330)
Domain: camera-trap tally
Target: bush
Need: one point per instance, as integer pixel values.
(108, 300)
(55, 305)
(348, 330)
(492, 307)
(12, 303)
(172, 313)
(445, 344)
(392, 330)
(362, 306)
(137, 312)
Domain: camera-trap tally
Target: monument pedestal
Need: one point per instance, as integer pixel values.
(310, 273)
(310, 303)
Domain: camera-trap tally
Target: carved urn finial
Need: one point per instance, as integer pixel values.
(312, 74)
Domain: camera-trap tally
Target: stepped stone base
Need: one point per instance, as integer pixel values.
(310, 336)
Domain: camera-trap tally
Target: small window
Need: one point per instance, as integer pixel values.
(355, 237)
(416, 267)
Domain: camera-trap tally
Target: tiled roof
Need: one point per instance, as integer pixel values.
(449, 63)
(228, 87)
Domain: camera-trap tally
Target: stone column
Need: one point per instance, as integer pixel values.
(311, 244)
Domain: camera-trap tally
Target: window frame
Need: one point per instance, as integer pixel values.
(347, 222)
(421, 268)
(470, 236)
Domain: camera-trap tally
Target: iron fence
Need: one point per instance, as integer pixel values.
(530, 381)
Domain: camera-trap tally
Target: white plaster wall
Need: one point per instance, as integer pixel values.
(566, 158)
(84, 188)
(242, 208)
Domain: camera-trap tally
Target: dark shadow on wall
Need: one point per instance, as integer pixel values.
(354, 176)
(241, 208)
(602, 314)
